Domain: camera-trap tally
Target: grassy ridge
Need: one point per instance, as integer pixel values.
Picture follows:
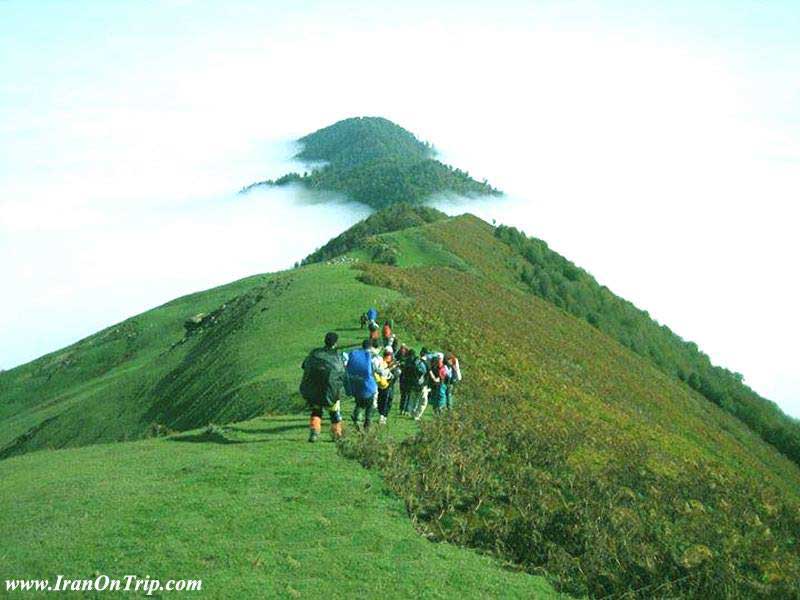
(569, 455)
(573, 456)
(252, 510)
(395, 218)
(552, 277)
(151, 374)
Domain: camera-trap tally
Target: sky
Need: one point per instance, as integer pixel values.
(656, 144)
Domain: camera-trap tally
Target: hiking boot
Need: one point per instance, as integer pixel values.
(382, 420)
(313, 436)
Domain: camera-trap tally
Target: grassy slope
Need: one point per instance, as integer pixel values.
(400, 216)
(117, 383)
(258, 511)
(264, 515)
(550, 276)
(574, 387)
(556, 353)
(607, 454)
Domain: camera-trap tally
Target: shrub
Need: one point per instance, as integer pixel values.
(508, 483)
(574, 458)
(554, 278)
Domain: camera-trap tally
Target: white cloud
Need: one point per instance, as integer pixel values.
(653, 157)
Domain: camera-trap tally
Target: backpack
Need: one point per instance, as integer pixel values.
(323, 377)
(382, 382)
(446, 374)
(360, 374)
(455, 369)
(420, 370)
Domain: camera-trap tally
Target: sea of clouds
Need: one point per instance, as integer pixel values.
(659, 151)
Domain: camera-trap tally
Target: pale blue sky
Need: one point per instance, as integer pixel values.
(655, 143)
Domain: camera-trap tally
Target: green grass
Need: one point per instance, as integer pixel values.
(569, 455)
(116, 384)
(264, 514)
(573, 456)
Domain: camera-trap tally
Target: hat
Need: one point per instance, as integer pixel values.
(388, 350)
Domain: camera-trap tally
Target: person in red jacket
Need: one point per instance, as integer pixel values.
(437, 380)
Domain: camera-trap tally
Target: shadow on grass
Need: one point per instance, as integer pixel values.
(208, 437)
(279, 429)
(216, 435)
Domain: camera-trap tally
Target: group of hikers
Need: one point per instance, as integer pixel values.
(370, 375)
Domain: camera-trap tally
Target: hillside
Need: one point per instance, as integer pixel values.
(160, 371)
(375, 161)
(394, 218)
(554, 278)
(569, 454)
(254, 512)
(550, 276)
(573, 456)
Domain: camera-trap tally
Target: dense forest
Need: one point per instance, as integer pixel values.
(359, 140)
(374, 161)
(554, 278)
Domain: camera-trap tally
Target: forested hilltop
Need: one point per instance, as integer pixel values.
(379, 163)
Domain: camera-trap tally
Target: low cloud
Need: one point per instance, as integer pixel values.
(73, 276)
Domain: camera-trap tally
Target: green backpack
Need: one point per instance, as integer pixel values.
(323, 377)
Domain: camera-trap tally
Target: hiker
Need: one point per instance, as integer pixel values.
(407, 359)
(434, 381)
(422, 398)
(363, 320)
(451, 361)
(386, 376)
(322, 386)
(432, 385)
(374, 333)
(388, 338)
(420, 389)
(372, 316)
(437, 380)
(402, 352)
(362, 384)
(422, 364)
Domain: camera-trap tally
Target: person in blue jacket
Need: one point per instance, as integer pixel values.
(372, 316)
(362, 383)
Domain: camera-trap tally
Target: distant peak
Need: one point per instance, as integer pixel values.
(377, 162)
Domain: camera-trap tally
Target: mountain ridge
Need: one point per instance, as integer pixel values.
(568, 454)
(550, 276)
